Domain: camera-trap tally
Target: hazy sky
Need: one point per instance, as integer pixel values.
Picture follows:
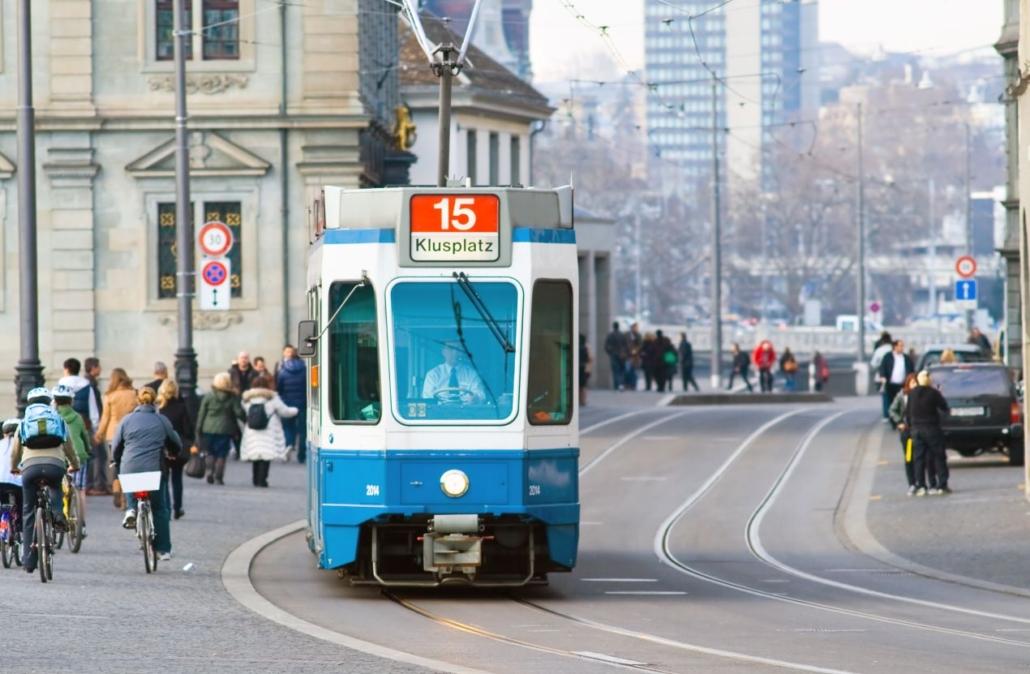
(562, 47)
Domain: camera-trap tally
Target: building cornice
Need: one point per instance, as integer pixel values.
(224, 121)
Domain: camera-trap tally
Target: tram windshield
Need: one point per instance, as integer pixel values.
(451, 363)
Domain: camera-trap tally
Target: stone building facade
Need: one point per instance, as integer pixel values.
(283, 99)
(1008, 47)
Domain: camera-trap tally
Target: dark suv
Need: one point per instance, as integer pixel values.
(986, 414)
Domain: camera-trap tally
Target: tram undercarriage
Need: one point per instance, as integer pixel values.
(430, 551)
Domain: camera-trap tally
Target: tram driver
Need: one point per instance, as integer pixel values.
(452, 381)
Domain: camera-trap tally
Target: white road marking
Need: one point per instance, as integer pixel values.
(648, 593)
(606, 422)
(608, 658)
(775, 580)
(619, 580)
(752, 533)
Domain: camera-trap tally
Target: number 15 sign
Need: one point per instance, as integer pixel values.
(455, 227)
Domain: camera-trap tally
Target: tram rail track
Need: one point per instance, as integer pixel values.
(663, 551)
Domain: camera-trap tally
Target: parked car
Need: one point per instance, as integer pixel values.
(986, 413)
(964, 353)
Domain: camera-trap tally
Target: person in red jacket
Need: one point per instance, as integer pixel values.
(764, 358)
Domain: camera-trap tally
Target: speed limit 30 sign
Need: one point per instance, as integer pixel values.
(215, 239)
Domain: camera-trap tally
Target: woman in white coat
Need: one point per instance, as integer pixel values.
(263, 437)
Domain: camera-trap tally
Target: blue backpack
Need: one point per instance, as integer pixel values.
(42, 428)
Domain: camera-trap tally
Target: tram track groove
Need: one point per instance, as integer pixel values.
(756, 547)
(663, 551)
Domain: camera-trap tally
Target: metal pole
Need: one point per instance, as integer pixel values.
(969, 215)
(185, 356)
(29, 370)
(445, 71)
(934, 309)
(716, 247)
(860, 207)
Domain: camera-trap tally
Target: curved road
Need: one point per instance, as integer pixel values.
(712, 538)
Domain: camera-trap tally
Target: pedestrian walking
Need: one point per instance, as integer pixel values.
(263, 439)
(172, 407)
(980, 340)
(89, 403)
(615, 347)
(242, 373)
(160, 375)
(634, 343)
(764, 358)
(739, 367)
(118, 401)
(89, 408)
(897, 417)
(649, 359)
(923, 413)
(146, 442)
(895, 366)
(686, 356)
(218, 423)
(789, 368)
(291, 383)
(586, 366)
(822, 370)
(667, 361)
(883, 345)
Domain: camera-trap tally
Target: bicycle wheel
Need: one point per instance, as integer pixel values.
(16, 547)
(75, 523)
(40, 541)
(6, 548)
(146, 536)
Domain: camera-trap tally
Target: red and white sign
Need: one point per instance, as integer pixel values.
(965, 266)
(455, 227)
(215, 239)
(215, 290)
(874, 308)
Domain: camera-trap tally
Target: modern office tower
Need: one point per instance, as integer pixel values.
(763, 60)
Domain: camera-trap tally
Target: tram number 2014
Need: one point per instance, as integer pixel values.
(534, 490)
(371, 490)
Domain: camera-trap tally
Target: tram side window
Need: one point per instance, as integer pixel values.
(354, 391)
(550, 354)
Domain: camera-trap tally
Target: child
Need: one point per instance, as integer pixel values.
(63, 397)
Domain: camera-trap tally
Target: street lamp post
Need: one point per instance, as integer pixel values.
(185, 356)
(716, 362)
(29, 370)
(860, 215)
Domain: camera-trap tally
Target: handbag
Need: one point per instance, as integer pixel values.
(195, 467)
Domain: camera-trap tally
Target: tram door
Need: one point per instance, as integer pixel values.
(314, 422)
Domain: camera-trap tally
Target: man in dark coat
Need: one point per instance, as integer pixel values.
(894, 367)
(615, 347)
(925, 409)
(242, 373)
(686, 354)
(291, 382)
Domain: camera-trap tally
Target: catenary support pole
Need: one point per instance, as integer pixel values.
(716, 311)
(185, 356)
(860, 215)
(445, 71)
(969, 212)
(29, 370)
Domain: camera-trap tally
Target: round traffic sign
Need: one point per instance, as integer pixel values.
(215, 238)
(875, 308)
(215, 273)
(965, 266)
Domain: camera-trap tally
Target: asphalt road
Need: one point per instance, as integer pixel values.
(714, 539)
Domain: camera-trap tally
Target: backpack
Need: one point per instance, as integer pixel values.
(42, 428)
(257, 417)
(80, 403)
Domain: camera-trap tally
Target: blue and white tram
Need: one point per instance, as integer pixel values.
(443, 422)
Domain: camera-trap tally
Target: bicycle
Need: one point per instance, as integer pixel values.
(43, 539)
(72, 505)
(10, 535)
(140, 486)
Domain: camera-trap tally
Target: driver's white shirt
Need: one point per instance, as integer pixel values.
(439, 378)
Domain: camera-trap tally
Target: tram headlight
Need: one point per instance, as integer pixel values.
(454, 483)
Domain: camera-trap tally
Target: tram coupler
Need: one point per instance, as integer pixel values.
(453, 544)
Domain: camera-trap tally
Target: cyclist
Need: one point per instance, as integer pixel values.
(63, 397)
(145, 441)
(42, 450)
(10, 484)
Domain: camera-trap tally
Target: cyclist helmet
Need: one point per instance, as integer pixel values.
(62, 391)
(39, 394)
(11, 426)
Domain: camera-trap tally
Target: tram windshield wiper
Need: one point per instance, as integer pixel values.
(477, 302)
(456, 308)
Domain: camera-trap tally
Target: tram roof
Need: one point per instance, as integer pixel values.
(387, 208)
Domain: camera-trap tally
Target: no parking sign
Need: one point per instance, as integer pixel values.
(214, 285)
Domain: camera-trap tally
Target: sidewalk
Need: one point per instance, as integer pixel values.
(981, 531)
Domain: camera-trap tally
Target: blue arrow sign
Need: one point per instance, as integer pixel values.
(965, 290)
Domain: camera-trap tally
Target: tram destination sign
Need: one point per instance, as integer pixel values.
(455, 227)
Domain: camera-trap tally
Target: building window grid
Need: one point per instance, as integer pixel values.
(229, 212)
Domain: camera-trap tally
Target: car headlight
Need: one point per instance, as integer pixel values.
(454, 483)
